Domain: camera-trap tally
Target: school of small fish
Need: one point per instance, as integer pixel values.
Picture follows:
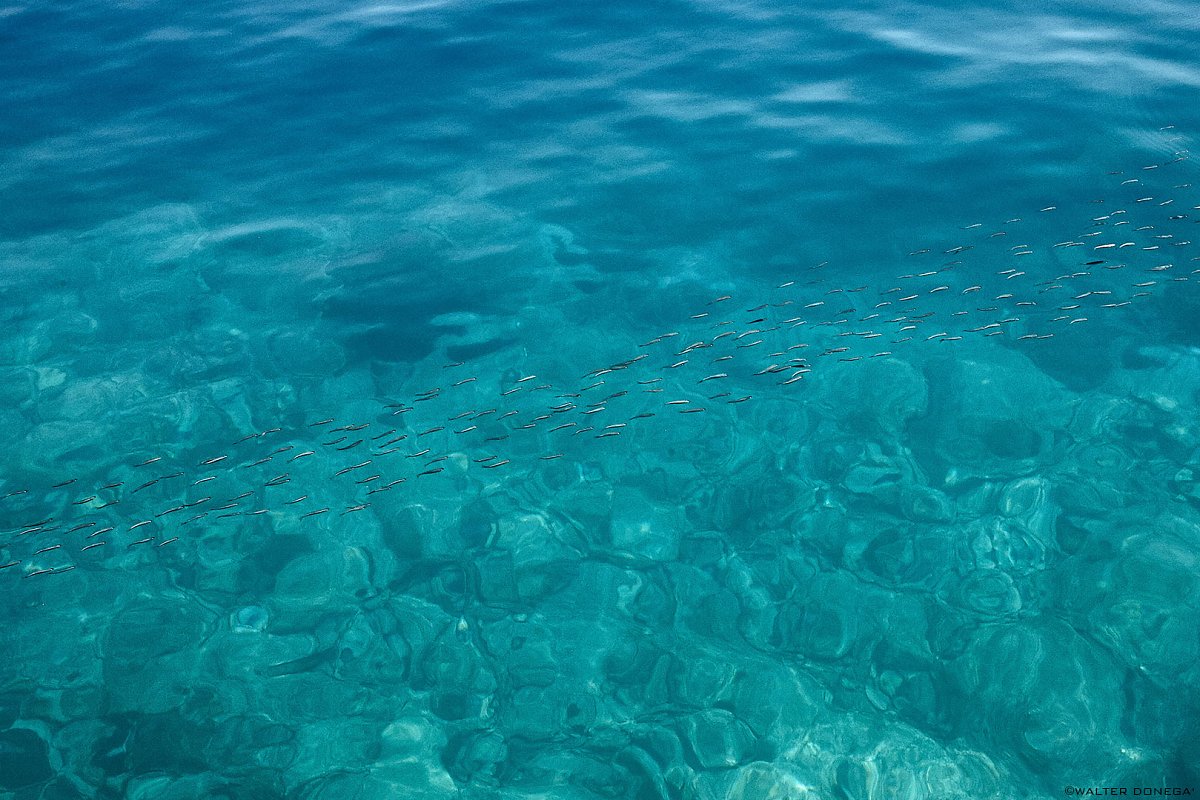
(1135, 246)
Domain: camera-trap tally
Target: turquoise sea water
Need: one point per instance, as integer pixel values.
(670, 400)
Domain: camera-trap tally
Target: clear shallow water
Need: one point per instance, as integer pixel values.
(966, 568)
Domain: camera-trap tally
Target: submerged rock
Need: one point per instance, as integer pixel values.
(992, 418)
(24, 759)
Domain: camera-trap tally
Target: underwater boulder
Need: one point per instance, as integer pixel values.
(880, 395)
(24, 759)
(992, 418)
(643, 528)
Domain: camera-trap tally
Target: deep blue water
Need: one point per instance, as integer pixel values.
(667, 400)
